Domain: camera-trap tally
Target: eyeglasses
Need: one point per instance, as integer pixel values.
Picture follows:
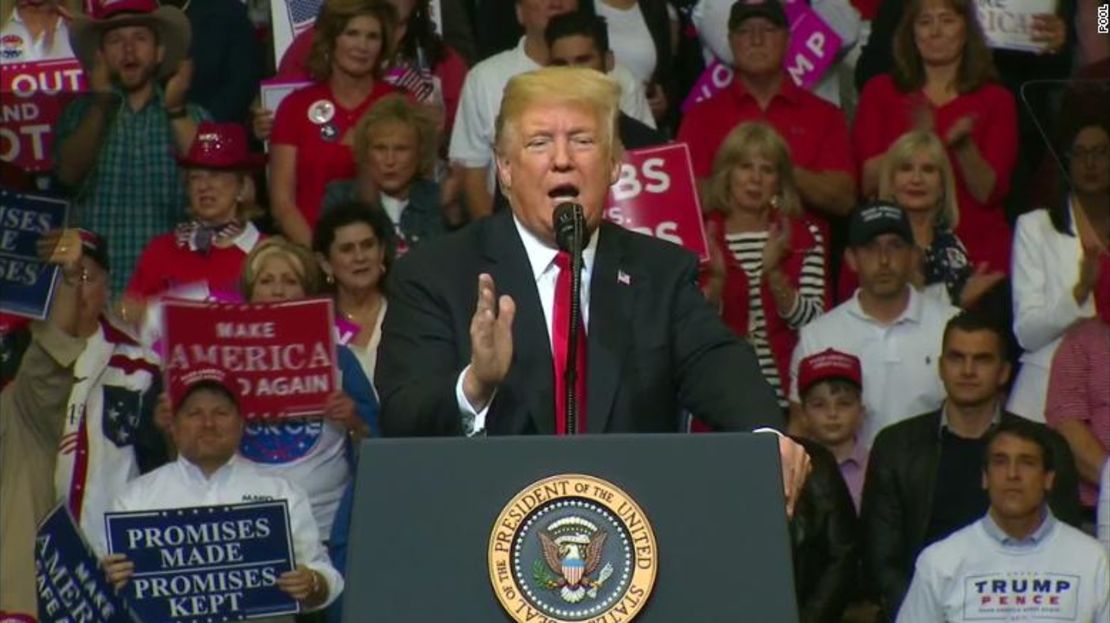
(1102, 152)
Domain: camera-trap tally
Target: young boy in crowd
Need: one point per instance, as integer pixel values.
(830, 384)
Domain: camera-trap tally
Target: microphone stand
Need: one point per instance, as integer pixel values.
(570, 373)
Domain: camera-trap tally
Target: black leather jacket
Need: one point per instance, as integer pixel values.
(825, 538)
(898, 500)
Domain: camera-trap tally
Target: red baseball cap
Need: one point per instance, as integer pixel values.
(827, 365)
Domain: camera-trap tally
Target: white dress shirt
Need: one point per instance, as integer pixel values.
(541, 258)
(18, 46)
(182, 484)
(899, 359)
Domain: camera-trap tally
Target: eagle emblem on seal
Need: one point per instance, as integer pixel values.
(572, 550)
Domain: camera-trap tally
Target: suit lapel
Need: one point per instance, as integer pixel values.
(530, 375)
(610, 311)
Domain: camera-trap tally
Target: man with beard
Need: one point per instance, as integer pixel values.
(893, 330)
(115, 147)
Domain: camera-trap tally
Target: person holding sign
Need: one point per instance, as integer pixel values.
(207, 430)
(768, 274)
(312, 132)
(313, 453)
(944, 81)
(32, 408)
(211, 247)
(457, 359)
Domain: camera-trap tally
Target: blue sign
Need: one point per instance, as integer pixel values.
(71, 586)
(27, 283)
(207, 563)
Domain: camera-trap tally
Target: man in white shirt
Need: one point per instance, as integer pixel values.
(207, 429)
(471, 145)
(893, 330)
(1017, 563)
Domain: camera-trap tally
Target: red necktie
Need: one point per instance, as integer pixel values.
(560, 329)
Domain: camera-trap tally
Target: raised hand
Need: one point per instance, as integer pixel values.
(262, 122)
(1088, 274)
(960, 132)
(1050, 31)
(491, 343)
(178, 85)
(777, 246)
(979, 283)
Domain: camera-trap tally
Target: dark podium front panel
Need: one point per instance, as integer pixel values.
(425, 508)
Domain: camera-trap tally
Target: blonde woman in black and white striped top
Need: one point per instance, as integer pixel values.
(769, 278)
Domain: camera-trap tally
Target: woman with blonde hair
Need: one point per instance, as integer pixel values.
(768, 266)
(312, 131)
(313, 453)
(395, 146)
(916, 175)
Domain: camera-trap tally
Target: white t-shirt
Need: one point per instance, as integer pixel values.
(473, 134)
(899, 360)
(181, 484)
(1104, 506)
(980, 574)
(630, 40)
(18, 46)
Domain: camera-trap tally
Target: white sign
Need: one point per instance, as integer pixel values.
(1008, 24)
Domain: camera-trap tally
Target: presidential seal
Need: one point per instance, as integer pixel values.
(572, 548)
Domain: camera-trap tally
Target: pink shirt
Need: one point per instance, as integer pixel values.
(1079, 386)
(853, 469)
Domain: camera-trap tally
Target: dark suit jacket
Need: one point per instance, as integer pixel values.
(654, 344)
(898, 499)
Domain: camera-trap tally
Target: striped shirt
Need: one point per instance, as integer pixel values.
(134, 191)
(1079, 386)
(747, 249)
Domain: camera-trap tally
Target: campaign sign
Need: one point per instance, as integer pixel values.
(26, 282)
(206, 563)
(279, 357)
(1009, 23)
(71, 585)
(655, 195)
(34, 95)
(811, 51)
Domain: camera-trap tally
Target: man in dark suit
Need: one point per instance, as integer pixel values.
(924, 476)
(457, 359)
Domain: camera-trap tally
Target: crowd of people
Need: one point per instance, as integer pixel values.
(908, 274)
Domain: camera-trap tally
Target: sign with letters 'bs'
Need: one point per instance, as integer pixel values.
(279, 357)
(655, 195)
(70, 584)
(34, 95)
(26, 283)
(207, 563)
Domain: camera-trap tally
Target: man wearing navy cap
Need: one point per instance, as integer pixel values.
(888, 324)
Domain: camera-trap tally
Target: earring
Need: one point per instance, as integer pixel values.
(776, 202)
(328, 278)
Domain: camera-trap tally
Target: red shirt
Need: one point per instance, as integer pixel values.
(165, 265)
(320, 159)
(814, 129)
(885, 113)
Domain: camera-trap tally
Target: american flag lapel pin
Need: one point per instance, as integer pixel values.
(624, 278)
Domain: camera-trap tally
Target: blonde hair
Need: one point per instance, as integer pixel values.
(571, 86)
(746, 140)
(300, 258)
(332, 21)
(396, 108)
(902, 151)
(75, 8)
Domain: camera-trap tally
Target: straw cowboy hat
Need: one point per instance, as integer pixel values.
(169, 22)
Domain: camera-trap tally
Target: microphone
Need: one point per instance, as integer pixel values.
(569, 220)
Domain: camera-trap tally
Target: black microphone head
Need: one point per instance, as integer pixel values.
(568, 216)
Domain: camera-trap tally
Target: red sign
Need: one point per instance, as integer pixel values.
(34, 95)
(655, 195)
(279, 357)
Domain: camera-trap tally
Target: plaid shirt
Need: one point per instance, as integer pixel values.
(134, 190)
